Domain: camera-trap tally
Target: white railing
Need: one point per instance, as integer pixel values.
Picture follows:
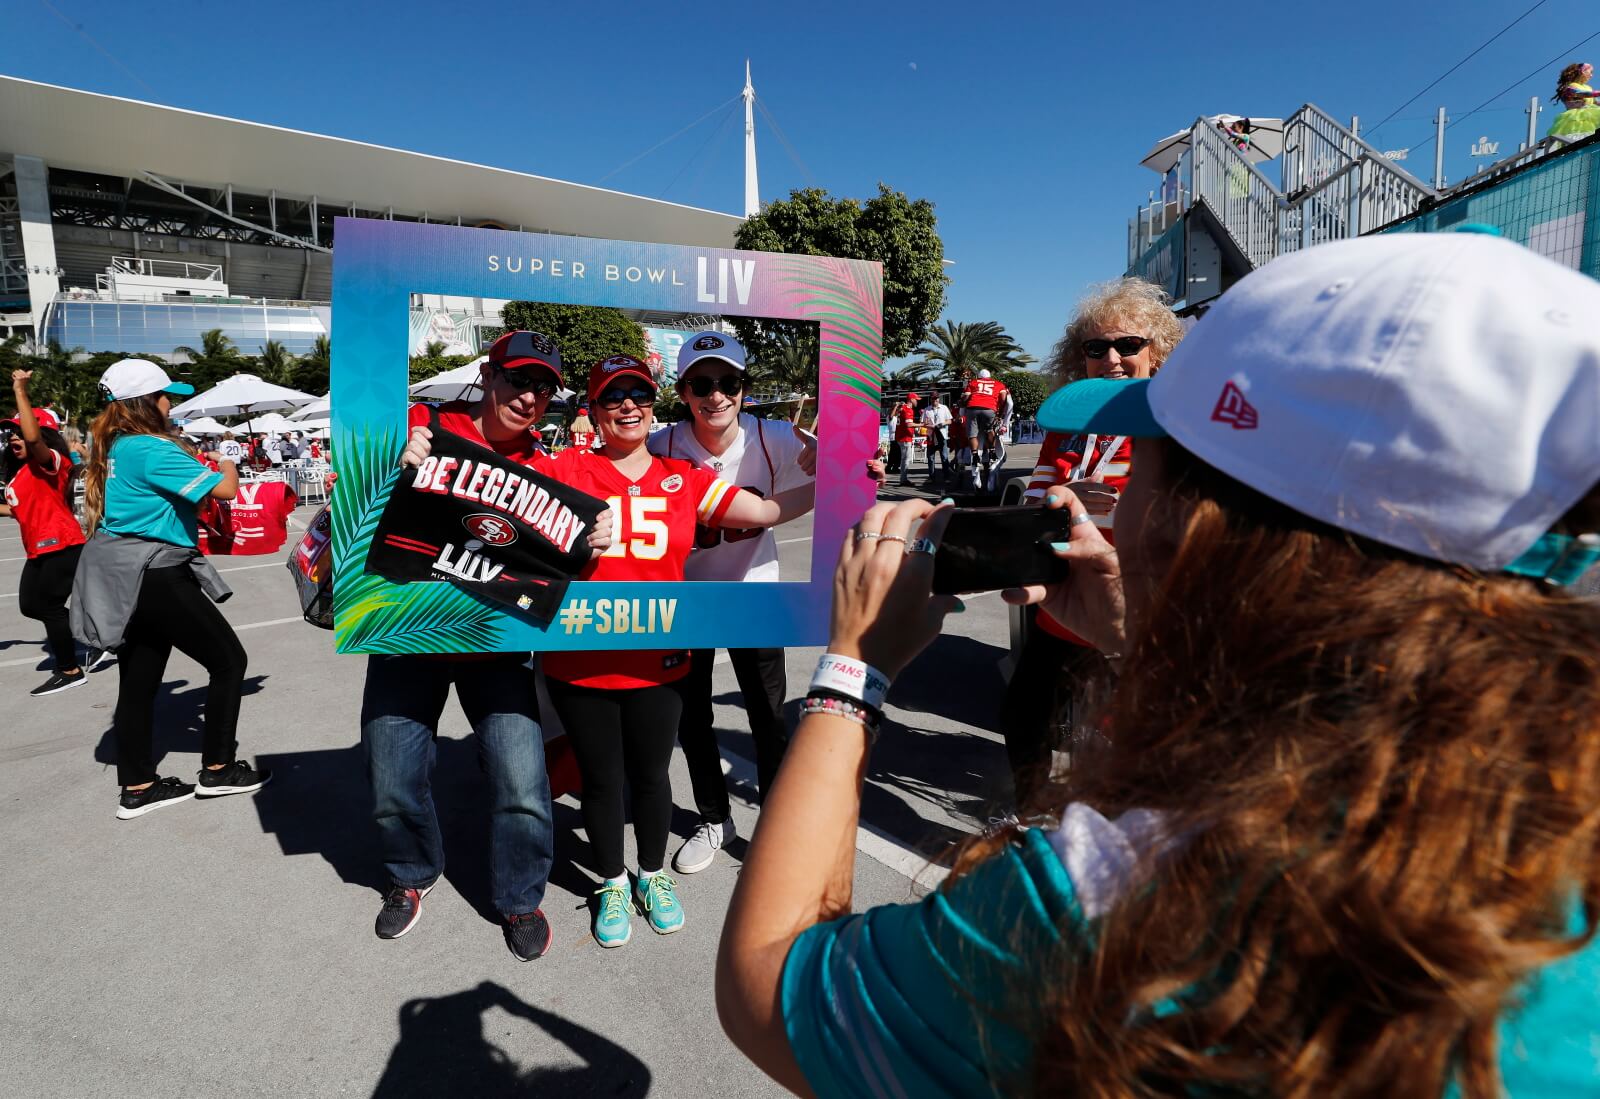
(165, 268)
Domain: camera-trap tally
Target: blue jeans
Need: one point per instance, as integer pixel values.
(400, 709)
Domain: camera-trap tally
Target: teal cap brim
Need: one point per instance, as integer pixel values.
(180, 389)
(1104, 406)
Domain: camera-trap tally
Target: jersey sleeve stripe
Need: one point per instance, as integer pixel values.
(716, 502)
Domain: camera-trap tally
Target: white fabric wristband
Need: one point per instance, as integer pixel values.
(851, 678)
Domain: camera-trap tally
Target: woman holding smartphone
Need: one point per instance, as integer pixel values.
(142, 587)
(621, 709)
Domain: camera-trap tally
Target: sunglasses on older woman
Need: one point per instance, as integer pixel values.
(1125, 345)
(641, 396)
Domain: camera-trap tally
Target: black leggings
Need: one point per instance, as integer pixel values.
(42, 596)
(173, 612)
(1040, 703)
(617, 733)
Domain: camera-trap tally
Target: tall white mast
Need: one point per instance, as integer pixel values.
(752, 196)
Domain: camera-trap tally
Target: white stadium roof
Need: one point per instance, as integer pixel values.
(84, 131)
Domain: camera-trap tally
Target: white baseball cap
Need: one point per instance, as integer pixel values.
(1439, 393)
(699, 346)
(129, 378)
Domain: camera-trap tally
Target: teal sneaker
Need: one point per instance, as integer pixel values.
(613, 920)
(657, 895)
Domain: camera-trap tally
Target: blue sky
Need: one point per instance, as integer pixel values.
(1024, 124)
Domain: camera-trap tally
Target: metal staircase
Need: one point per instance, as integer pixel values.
(1220, 217)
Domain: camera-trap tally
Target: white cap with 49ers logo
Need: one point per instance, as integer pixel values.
(700, 346)
(1436, 392)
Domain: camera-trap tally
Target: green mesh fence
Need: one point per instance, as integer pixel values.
(1553, 207)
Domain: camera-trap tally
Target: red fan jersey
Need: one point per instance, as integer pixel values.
(984, 393)
(653, 531)
(38, 502)
(257, 520)
(1066, 458)
(905, 417)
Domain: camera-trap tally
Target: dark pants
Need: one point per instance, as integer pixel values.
(762, 683)
(937, 448)
(1038, 711)
(172, 612)
(400, 709)
(42, 595)
(617, 735)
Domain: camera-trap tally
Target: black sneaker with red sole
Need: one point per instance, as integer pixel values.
(528, 935)
(402, 908)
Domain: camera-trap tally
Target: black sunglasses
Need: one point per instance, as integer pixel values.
(1125, 345)
(518, 378)
(730, 384)
(641, 396)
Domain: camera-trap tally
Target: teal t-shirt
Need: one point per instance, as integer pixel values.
(923, 999)
(153, 489)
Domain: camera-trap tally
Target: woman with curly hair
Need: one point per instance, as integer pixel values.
(1580, 116)
(1344, 839)
(1122, 329)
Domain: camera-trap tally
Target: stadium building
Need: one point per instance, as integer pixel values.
(128, 226)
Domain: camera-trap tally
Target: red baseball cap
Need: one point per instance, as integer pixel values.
(912, 397)
(523, 349)
(45, 417)
(606, 371)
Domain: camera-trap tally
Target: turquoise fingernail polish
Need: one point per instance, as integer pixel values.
(1059, 547)
(959, 607)
(948, 500)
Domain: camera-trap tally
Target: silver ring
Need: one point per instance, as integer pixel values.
(921, 545)
(867, 535)
(1079, 520)
(892, 538)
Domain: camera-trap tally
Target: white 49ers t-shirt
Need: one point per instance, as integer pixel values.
(762, 460)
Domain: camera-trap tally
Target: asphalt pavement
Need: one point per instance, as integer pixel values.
(225, 947)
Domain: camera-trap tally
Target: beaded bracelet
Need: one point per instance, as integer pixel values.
(839, 707)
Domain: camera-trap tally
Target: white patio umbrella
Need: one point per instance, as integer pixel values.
(452, 385)
(242, 395)
(273, 423)
(317, 409)
(205, 425)
(1265, 141)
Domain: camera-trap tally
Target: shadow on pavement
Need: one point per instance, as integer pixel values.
(319, 804)
(971, 696)
(180, 720)
(443, 1051)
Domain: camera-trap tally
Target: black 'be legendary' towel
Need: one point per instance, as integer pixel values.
(487, 525)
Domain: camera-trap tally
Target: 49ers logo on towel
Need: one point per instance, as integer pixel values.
(490, 529)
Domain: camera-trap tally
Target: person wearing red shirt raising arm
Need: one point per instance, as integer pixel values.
(36, 468)
(621, 709)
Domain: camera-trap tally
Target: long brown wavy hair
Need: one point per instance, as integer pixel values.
(1572, 74)
(1386, 776)
(134, 416)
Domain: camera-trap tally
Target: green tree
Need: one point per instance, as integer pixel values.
(275, 364)
(215, 359)
(960, 350)
(891, 229)
(787, 363)
(1028, 389)
(311, 372)
(584, 333)
(64, 381)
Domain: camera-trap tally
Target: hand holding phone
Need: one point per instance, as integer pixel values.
(988, 549)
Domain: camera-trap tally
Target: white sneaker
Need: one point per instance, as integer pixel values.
(702, 847)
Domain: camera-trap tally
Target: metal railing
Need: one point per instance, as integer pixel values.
(165, 268)
(1334, 186)
(102, 295)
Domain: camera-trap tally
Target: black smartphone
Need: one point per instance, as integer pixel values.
(985, 549)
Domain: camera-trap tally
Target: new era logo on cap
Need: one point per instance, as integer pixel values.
(1232, 408)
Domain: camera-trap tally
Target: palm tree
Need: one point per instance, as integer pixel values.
(311, 372)
(216, 359)
(909, 375)
(960, 350)
(275, 364)
(788, 365)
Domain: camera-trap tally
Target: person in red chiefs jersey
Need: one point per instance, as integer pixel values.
(905, 435)
(1123, 329)
(36, 467)
(405, 695)
(982, 398)
(622, 708)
